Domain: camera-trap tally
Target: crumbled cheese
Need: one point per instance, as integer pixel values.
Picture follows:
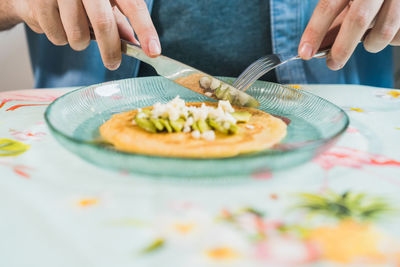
(177, 108)
(159, 110)
(216, 114)
(209, 94)
(214, 84)
(142, 115)
(177, 102)
(226, 106)
(243, 97)
(188, 122)
(199, 113)
(250, 127)
(172, 110)
(208, 135)
(219, 115)
(230, 118)
(196, 134)
(233, 92)
(224, 87)
(173, 113)
(133, 122)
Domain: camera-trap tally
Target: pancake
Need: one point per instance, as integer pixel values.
(261, 132)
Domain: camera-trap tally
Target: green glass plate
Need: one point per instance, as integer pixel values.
(314, 124)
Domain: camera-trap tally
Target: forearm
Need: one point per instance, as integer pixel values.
(8, 17)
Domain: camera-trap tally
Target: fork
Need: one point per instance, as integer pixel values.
(265, 64)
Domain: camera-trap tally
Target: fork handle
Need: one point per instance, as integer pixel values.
(322, 53)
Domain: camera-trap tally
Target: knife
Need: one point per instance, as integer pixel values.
(189, 77)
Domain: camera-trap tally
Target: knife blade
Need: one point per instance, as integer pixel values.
(191, 78)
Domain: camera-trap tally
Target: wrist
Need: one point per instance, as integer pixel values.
(13, 8)
(8, 14)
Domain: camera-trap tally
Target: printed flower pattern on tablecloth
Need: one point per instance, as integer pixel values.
(154, 246)
(35, 133)
(355, 109)
(27, 135)
(86, 202)
(20, 170)
(12, 148)
(339, 228)
(352, 130)
(351, 237)
(352, 158)
(29, 96)
(262, 175)
(393, 95)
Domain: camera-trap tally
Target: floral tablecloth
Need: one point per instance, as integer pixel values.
(341, 208)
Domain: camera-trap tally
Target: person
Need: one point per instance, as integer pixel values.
(217, 37)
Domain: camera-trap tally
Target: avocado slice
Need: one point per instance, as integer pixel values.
(241, 116)
(177, 125)
(218, 127)
(166, 124)
(195, 127)
(252, 103)
(146, 124)
(157, 123)
(219, 92)
(233, 129)
(203, 126)
(227, 96)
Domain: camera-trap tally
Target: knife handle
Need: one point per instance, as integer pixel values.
(130, 49)
(133, 50)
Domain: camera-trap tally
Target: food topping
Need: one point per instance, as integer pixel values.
(201, 122)
(214, 88)
(205, 82)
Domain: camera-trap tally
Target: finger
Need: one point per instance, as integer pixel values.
(396, 39)
(105, 28)
(76, 25)
(324, 15)
(386, 27)
(34, 27)
(356, 23)
(139, 16)
(124, 28)
(50, 22)
(333, 31)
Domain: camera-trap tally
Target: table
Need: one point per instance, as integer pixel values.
(343, 207)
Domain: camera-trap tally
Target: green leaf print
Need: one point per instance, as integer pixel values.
(12, 148)
(347, 205)
(155, 245)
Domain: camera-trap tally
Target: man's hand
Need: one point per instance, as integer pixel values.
(67, 21)
(356, 17)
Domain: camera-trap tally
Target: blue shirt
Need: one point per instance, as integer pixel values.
(217, 38)
(61, 66)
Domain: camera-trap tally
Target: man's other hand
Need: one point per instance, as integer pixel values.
(67, 22)
(380, 17)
